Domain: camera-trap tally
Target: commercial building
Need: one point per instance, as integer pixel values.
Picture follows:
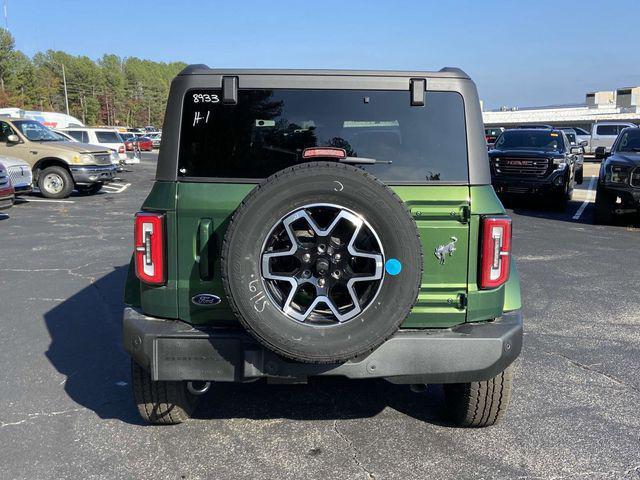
(621, 105)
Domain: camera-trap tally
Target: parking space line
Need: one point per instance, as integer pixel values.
(47, 200)
(588, 200)
(115, 189)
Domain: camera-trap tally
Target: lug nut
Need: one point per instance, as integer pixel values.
(336, 274)
(321, 282)
(306, 273)
(337, 257)
(322, 248)
(306, 257)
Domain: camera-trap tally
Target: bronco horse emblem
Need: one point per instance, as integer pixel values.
(442, 251)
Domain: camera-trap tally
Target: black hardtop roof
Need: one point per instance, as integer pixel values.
(201, 69)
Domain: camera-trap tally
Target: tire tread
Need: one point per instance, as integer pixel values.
(480, 404)
(160, 402)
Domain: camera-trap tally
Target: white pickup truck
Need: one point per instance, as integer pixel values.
(603, 134)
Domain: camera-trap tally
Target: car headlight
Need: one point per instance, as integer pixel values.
(83, 159)
(618, 174)
(560, 163)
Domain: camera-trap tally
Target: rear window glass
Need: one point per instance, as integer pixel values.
(267, 130)
(108, 137)
(79, 135)
(607, 130)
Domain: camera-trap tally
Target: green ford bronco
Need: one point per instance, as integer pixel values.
(306, 223)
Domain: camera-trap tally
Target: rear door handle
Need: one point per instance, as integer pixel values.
(204, 248)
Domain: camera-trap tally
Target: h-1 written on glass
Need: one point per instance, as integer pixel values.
(199, 116)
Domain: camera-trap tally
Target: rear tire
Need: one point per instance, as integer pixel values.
(161, 403)
(55, 182)
(479, 404)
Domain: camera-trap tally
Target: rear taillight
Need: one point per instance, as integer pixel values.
(149, 247)
(495, 251)
(121, 149)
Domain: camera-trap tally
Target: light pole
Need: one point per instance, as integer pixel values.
(66, 95)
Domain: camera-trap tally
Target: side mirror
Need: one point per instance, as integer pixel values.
(13, 139)
(583, 143)
(601, 153)
(576, 150)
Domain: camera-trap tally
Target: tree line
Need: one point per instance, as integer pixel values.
(108, 91)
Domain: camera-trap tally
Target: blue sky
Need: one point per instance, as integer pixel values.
(520, 53)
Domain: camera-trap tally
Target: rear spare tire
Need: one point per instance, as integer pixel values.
(322, 262)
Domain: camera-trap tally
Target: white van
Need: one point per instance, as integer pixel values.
(106, 137)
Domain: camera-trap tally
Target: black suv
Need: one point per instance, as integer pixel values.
(537, 161)
(619, 180)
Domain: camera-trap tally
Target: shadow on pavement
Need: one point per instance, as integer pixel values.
(329, 398)
(86, 346)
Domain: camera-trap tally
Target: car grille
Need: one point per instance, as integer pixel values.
(635, 178)
(514, 189)
(102, 158)
(521, 167)
(20, 176)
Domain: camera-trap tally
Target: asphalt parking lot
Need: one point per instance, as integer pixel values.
(67, 410)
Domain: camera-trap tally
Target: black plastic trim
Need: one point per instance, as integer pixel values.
(174, 350)
(418, 87)
(230, 90)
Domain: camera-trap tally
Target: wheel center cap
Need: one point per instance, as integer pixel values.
(322, 265)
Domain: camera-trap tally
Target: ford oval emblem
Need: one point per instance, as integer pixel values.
(205, 299)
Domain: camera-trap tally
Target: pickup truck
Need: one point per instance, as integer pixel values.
(58, 166)
(603, 134)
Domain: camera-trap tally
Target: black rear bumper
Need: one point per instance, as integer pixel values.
(174, 350)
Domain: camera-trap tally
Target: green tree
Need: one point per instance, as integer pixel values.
(109, 91)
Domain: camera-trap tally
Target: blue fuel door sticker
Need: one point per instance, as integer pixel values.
(393, 266)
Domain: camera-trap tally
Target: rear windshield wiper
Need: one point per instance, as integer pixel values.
(364, 161)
